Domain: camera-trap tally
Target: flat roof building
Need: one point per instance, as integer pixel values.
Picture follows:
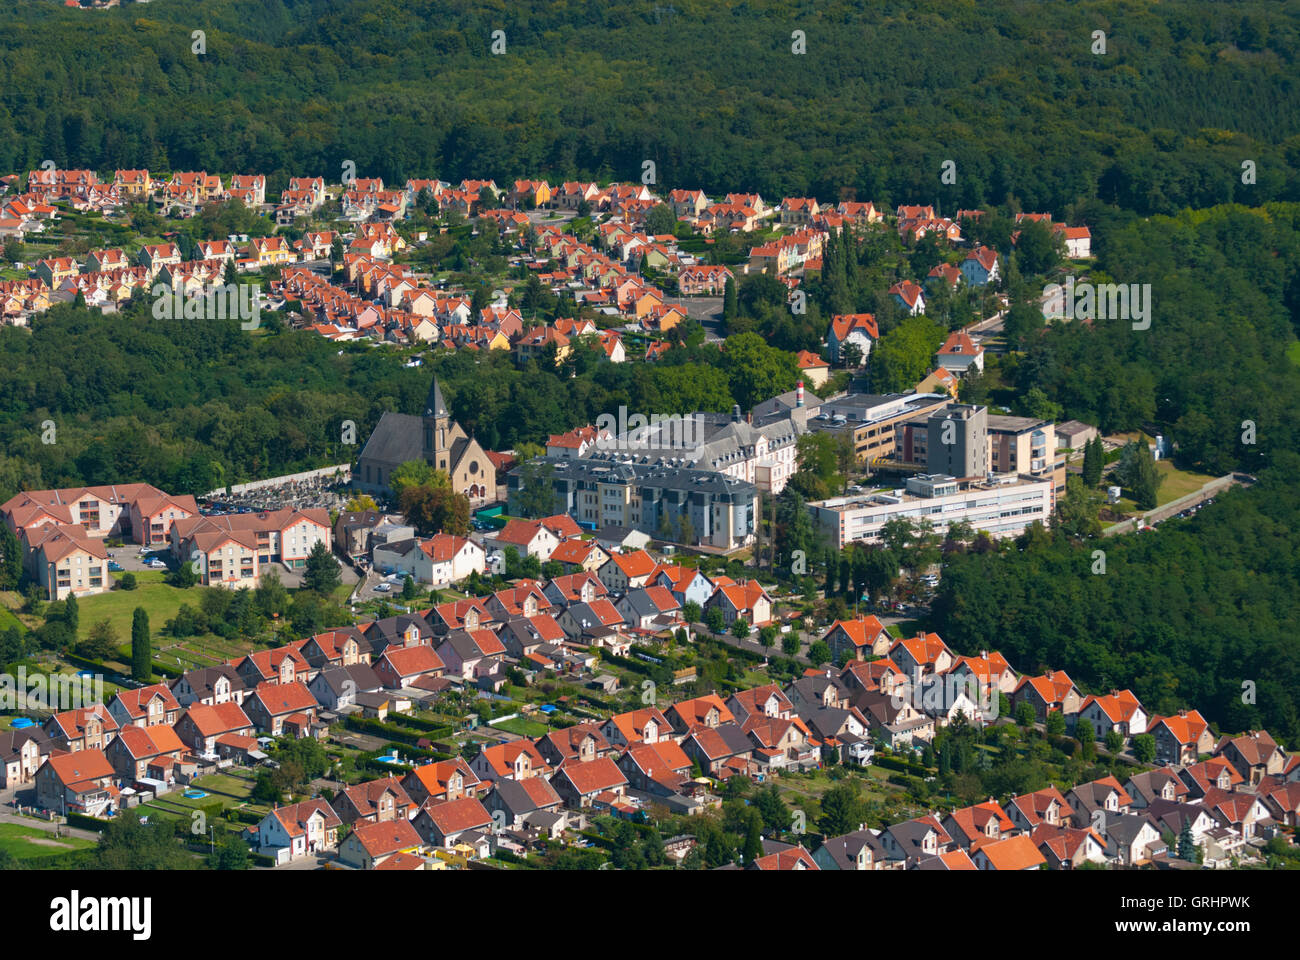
(1002, 505)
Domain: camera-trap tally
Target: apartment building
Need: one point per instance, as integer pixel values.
(64, 561)
(966, 441)
(232, 549)
(1002, 505)
(720, 511)
(133, 511)
(869, 420)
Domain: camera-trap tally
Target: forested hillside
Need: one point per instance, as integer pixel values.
(886, 91)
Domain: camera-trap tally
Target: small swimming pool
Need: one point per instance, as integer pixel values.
(389, 758)
(22, 723)
(195, 794)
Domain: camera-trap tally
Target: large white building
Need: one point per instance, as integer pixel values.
(1002, 505)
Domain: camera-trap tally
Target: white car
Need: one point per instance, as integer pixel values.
(157, 564)
(382, 587)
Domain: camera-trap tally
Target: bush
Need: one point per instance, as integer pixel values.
(126, 581)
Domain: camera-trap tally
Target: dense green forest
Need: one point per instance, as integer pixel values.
(1009, 90)
(1184, 617)
(190, 406)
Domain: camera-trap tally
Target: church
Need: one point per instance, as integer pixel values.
(433, 438)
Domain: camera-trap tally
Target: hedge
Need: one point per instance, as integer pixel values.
(87, 821)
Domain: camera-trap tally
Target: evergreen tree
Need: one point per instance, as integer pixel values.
(141, 649)
(1186, 844)
(730, 302)
(71, 613)
(1092, 462)
(11, 559)
(322, 574)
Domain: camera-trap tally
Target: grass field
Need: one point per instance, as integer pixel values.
(522, 726)
(25, 843)
(1177, 483)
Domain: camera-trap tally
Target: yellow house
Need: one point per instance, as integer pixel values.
(270, 250)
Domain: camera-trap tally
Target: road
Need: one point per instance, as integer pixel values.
(708, 311)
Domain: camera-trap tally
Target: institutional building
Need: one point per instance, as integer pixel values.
(1002, 505)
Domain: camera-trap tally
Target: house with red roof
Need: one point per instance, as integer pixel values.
(370, 845)
(1052, 691)
(575, 555)
(578, 783)
(862, 637)
(747, 601)
(140, 752)
(1118, 710)
(201, 725)
(980, 267)
(528, 537)
(444, 824)
(909, 296)
(145, 706)
(1181, 737)
(860, 329)
(1013, 853)
(443, 780)
(272, 704)
(623, 571)
(80, 782)
(400, 667)
(959, 354)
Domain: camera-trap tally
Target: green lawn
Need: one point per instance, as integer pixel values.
(25, 843)
(522, 726)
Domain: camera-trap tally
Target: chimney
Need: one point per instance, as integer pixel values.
(735, 413)
(798, 394)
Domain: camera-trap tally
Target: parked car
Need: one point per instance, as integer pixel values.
(382, 587)
(115, 566)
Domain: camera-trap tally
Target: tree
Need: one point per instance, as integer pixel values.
(101, 643)
(1114, 741)
(1025, 713)
(11, 559)
(409, 590)
(1086, 734)
(740, 628)
(790, 644)
(714, 620)
(536, 495)
(1144, 748)
(1055, 724)
(322, 574)
(433, 507)
(691, 611)
(1093, 456)
(842, 809)
(416, 473)
(1186, 843)
(730, 302)
(361, 502)
(71, 612)
(660, 219)
(126, 581)
(141, 647)
(767, 637)
(819, 653)
(1138, 474)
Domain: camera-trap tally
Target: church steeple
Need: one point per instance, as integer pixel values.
(434, 405)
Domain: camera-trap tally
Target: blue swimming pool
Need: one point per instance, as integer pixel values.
(389, 758)
(195, 794)
(22, 723)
